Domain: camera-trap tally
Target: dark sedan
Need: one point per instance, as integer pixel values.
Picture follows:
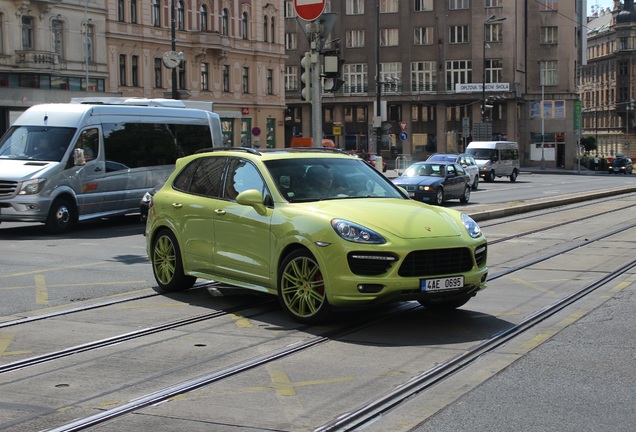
(435, 182)
(621, 165)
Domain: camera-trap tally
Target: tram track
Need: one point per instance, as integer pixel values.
(362, 415)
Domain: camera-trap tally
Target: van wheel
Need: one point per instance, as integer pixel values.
(513, 176)
(167, 265)
(62, 216)
(490, 177)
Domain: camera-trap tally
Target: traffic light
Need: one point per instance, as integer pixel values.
(630, 105)
(305, 77)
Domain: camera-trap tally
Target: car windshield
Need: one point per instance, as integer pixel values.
(36, 143)
(481, 153)
(314, 179)
(425, 169)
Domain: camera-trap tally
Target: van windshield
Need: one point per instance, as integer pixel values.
(481, 153)
(36, 143)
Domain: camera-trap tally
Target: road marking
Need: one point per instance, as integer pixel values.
(241, 321)
(53, 269)
(285, 387)
(542, 337)
(5, 341)
(17, 287)
(41, 291)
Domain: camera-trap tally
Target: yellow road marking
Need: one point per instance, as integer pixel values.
(285, 387)
(540, 338)
(532, 285)
(41, 292)
(76, 285)
(241, 321)
(52, 269)
(621, 286)
(5, 341)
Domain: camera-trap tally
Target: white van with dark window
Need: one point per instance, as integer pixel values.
(93, 158)
(495, 159)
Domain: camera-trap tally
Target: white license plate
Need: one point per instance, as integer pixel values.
(442, 284)
(411, 194)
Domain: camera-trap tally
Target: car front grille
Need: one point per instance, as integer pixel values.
(426, 263)
(7, 188)
(370, 263)
(480, 255)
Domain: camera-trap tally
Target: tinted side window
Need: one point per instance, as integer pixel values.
(184, 178)
(242, 176)
(206, 180)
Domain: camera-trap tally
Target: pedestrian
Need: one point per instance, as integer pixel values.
(596, 163)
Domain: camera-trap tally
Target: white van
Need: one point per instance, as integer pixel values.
(495, 159)
(93, 158)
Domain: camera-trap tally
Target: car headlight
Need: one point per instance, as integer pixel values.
(356, 233)
(147, 197)
(471, 226)
(425, 188)
(32, 187)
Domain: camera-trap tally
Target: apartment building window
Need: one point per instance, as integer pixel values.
(180, 16)
(291, 41)
(270, 81)
(205, 76)
(549, 72)
(245, 79)
(458, 72)
(290, 10)
(423, 36)
(458, 34)
(120, 10)
(494, 70)
(90, 45)
(354, 7)
(272, 25)
(549, 35)
(134, 69)
(388, 6)
(623, 44)
(494, 3)
(1, 33)
(291, 78)
(423, 76)
(265, 28)
(354, 38)
(423, 5)
(389, 37)
(58, 38)
(549, 5)
(458, 4)
(133, 11)
(494, 32)
(391, 76)
(122, 69)
(156, 13)
(203, 18)
(226, 78)
(355, 77)
(225, 22)
(244, 26)
(28, 35)
(158, 72)
(181, 71)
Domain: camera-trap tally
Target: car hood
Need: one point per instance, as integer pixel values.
(417, 181)
(407, 219)
(18, 170)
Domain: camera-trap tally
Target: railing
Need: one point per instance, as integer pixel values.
(402, 162)
(37, 59)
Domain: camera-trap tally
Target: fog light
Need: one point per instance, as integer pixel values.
(484, 277)
(33, 207)
(370, 288)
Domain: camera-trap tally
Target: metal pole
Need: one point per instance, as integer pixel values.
(378, 84)
(483, 81)
(542, 125)
(173, 35)
(316, 90)
(86, 40)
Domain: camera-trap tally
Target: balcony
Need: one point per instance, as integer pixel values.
(37, 59)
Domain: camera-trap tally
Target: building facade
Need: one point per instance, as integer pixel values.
(230, 53)
(450, 72)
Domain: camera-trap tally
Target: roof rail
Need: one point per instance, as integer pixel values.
(307, 150)
(243, 149)
(168, 103)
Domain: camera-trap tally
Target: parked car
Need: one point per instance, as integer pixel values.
(144, 204)
(435, 182)
(465, 160)
(621, 165)
(319, 229)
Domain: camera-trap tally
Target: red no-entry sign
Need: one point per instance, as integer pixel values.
(309, 10)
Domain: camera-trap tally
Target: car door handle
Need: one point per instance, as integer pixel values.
(220, 212)
(97, 169)
(177, 205)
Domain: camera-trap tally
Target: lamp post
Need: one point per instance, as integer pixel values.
(173, 37)
(85, 23)
(378, 84)
(542, 123)
(491, 20)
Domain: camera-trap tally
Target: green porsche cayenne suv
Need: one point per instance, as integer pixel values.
(316, 227)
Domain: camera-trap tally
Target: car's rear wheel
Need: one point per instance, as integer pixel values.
(490, 177)
(438, 199)
(476, 182)
(466, 197)
(445, 304)
(167, 265)
(301, 288)
(513, 176)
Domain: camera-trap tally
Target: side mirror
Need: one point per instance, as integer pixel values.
(252, 198)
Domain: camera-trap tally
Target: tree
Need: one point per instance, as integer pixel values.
(589, 143)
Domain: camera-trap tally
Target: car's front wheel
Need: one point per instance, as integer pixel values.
(513, 176)
(476, 182)
(301, 288)
(167, 265)
(438, 199)
(62, 216)
(445, 304)
(490, 177)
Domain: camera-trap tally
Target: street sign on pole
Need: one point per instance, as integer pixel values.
(309, 10)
